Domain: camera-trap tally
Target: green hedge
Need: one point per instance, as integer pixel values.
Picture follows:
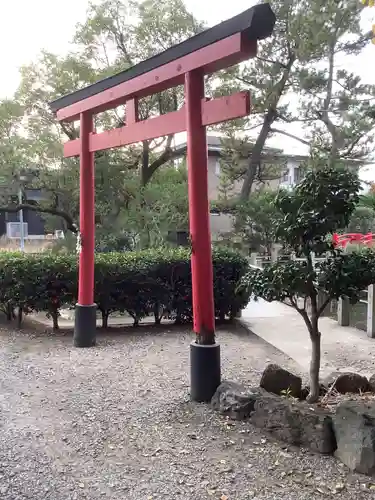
(156, 282)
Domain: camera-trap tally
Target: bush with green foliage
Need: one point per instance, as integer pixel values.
(153, 282)
(319, 206)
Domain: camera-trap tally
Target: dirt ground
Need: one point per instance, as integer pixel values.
(116, 422)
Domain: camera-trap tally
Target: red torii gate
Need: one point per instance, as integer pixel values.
(224, 45)
(342, 240)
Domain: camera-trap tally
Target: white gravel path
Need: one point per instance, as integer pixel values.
(115, 422)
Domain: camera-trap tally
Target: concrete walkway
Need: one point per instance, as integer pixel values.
(343, 348)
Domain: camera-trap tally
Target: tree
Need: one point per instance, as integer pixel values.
(234, 162)
(319, 206)
(362, 221)
(156, 209)
(298, 78)
(113, 40)
(116, 34)
(369, 3)
(128, 216)
(258, 215)
(255, 227)
(368, 200)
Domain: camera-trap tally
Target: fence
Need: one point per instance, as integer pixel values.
(360, 315)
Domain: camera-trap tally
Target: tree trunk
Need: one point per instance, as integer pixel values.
(10, 312)
(157, 314)
(331, 127)
(19, 317)
(315, 337)
(55, 319)
(256, 155)
(312, 326)
(269, 118)
(145, 174)
(105, 316)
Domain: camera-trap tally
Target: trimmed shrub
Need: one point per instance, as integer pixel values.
(154, 282)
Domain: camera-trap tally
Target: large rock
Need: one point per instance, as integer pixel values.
(354, 426)
(277, 380)
(234, 400)
(371, 383)
(347, 382)
(295, 423)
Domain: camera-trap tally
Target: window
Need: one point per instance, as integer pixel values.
(297, 174)
(14, 230)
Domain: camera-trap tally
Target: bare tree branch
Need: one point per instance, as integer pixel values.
(269, 118)
(70, 224)
(167, 155)
(357, 44)
(323, 306)
(270, 61)
(349, 150)
(294, 119)
(292, 136)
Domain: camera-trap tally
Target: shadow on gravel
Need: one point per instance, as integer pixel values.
(147, 328)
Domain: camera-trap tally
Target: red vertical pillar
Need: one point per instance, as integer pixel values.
(87, 215)
(201, 260)
(85, 315)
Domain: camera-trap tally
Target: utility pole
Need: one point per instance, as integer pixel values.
(22, 232)
(23, 179)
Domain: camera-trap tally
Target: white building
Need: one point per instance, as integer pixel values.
(289, 165)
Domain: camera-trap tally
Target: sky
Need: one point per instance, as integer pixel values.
(28, 26)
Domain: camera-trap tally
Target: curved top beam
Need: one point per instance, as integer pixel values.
(242, 30)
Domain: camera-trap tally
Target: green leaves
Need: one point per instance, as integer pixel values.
(281, 281)
(135, 282)
(115, 35)
(319, 206)
(362, 221)
(347, 274)
(255, 221)
(298, 78)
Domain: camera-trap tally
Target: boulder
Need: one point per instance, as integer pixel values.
(277, 380)
(371, 383)
(234, 400)
(354, 426)
(295, 423)
(347, 382)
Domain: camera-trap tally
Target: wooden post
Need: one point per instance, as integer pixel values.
(201, 258)
(321, 298)
(343, 310)
(85, 313)
(371, 311)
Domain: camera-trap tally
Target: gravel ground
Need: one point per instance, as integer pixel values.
(115, 422)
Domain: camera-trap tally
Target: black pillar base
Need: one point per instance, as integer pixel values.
(205, 371)
(85, 326)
